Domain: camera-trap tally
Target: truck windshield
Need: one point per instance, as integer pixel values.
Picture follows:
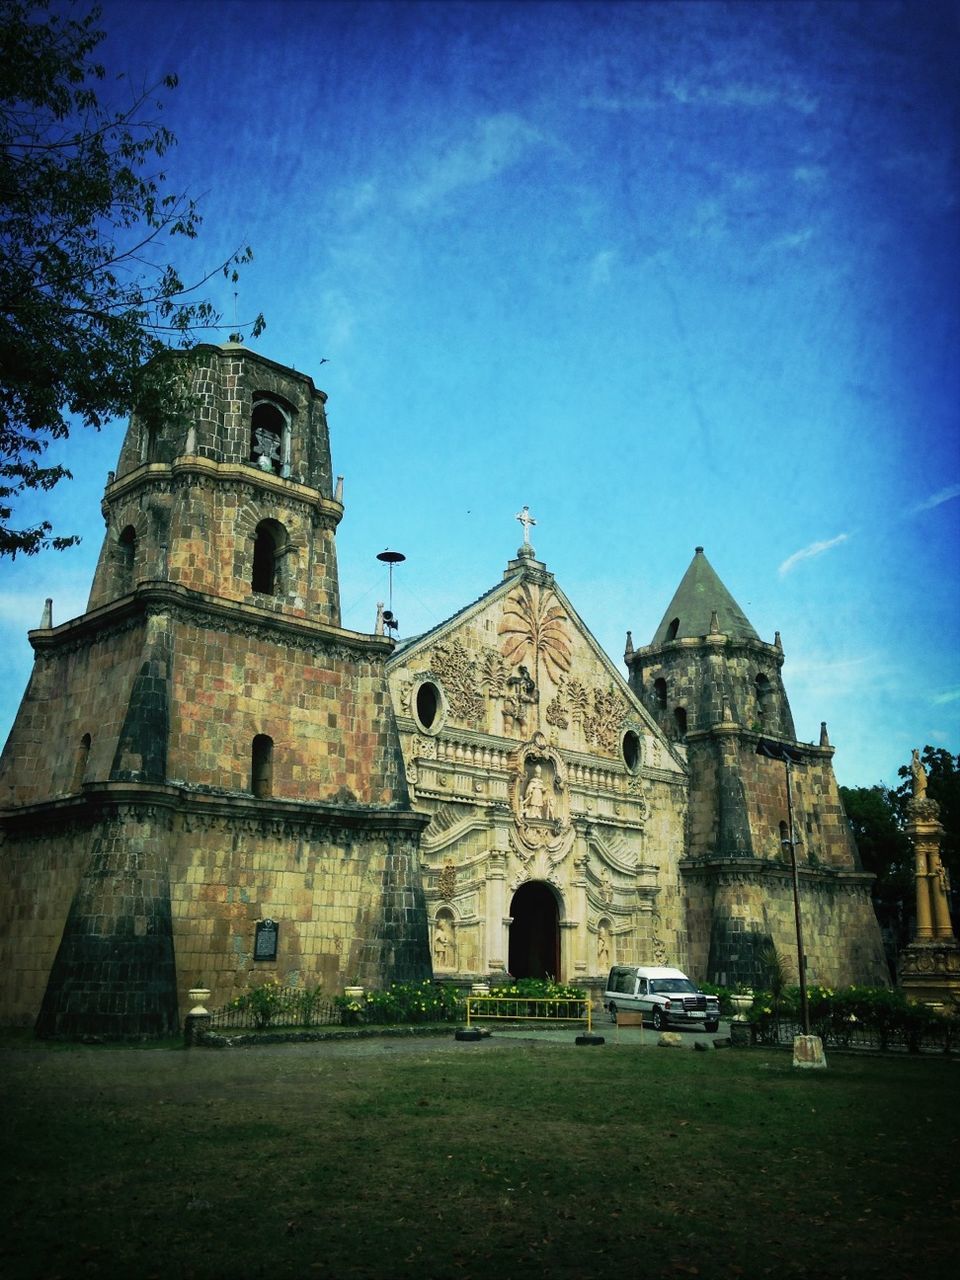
(673, 986)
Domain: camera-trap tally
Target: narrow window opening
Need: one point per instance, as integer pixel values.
(126, 558)
(261, 767)
(785, 839)
(673, 628)
(764, 697)
(268, 547)
(80, 767)
(680, 715)
(660, 691)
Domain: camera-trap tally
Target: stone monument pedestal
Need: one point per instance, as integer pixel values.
(930, 971)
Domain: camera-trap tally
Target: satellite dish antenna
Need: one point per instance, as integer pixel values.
(391, 558)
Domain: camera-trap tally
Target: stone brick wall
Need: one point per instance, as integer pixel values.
(80, 685)
(734, 910)
(345, 891)
(322, 700)
(41, 863)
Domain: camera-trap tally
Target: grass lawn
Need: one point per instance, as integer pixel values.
(438, 1159)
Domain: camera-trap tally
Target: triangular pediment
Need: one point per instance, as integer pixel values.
(519, 661)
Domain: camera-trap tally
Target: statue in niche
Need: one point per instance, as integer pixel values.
(603, 948)
(443, 944)
(537, 800)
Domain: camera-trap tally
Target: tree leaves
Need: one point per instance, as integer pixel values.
(86, 303)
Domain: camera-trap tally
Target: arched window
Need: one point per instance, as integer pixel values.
(269, 544)
(680, 715)
(673, 628)
(764, 697)
(785, 839)
(269, 437)
(660, 691)
(126, 559)
(261, 767)
(80, 766)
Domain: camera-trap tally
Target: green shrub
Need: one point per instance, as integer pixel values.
(402, 1002)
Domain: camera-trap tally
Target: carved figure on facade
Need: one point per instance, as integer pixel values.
(444, 945)
(603, 947)
(541, 801)
(522, 694)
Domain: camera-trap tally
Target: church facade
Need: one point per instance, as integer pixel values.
(210, 781)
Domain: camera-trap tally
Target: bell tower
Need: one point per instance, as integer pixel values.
(716, 690)
(206, 748)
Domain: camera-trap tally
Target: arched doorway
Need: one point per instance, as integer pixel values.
(535, 933)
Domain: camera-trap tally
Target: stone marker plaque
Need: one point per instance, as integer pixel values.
(265, 943)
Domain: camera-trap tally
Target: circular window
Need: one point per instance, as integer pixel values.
(428, 705)
(631, 750)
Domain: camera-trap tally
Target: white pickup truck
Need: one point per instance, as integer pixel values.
(665, 997)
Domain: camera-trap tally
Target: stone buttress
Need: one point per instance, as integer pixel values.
(206, 747)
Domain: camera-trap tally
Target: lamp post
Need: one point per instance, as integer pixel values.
(791, 756)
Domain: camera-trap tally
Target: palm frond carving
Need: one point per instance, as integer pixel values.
(533, 628)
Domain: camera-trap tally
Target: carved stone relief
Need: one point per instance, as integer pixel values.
(457, 672)
(540, 797)
(444, 941)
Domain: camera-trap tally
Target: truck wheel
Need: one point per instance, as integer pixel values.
(711, 1026)
(659, 1021)
(613, 1012)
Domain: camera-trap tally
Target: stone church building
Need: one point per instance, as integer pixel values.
(210, 781)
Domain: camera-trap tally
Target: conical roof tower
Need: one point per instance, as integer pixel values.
(700, 601)
(716, 690)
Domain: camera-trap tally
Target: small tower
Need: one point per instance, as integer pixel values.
(716, 689)
(206, 748)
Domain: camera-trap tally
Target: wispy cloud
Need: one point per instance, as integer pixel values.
(790, 241)
(809, 174)
(948, 695)
(496, 143)
(739, 93)
(936, 499)
(601, 267)
(808, 553)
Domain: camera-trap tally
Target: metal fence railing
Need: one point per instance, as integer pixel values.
(292, 1011)
(526, 1009)
(857, 1036)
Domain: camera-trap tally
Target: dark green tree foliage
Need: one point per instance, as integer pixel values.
(87, 304)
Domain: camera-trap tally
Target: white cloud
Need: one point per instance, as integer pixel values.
(739, 94)
(808, 553)
(792, 240)
(497, 142)
(601, 267)
(811, 174)
(948, 695)
(936, 499)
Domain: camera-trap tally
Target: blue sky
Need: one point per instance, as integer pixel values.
(671, 274)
